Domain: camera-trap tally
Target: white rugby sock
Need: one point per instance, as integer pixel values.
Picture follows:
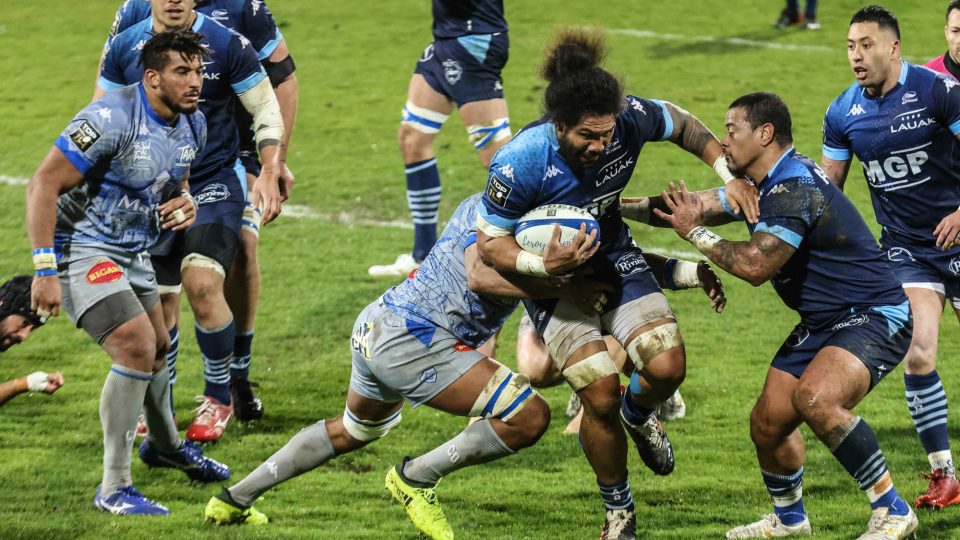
(479, 443)
(123, 392)
(157, 412)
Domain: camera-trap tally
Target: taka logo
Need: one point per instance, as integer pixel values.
(104, 272)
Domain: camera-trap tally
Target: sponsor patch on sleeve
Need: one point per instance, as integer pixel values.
(498, 191)
(85, 135)
(104, 272)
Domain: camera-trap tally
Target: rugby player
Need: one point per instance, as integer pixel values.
(416, 343)
(583, 153)
(902, 122)
(949, 62)
(855, 322)
(17, 323)
(202, 256)
(460, 68)
(253, 20)
(115, 177)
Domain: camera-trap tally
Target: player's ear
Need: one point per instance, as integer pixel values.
(767, 133)
(151, 77)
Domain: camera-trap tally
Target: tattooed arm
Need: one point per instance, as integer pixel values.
(642, 209)
(693, 136)
(836, 170)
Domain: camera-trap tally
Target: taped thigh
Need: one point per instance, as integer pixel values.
(212, 241)
(197, 260)
(567, 330)
(368, 430)
(108, 314)
(590, 370)
(649, 344)
(422, 119)
(484, 134)
(503, 396)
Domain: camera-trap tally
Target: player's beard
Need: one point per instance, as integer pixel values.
(573, 155)
(737, 171)
(173, 105)
(6, 341)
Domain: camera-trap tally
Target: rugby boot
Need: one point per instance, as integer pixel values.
(142, 429)
(211, 421)
(246, 405)
(770, 526)
(619, 525)
(884, 526)
(223, 510)
(944, 490)
(188, 458)
(671, 408)
(128, 501)
(402, 267)
(652, 444)
(787, 18)
(421, 505)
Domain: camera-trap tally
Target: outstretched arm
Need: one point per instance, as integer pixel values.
(37, 381)
(642, 209)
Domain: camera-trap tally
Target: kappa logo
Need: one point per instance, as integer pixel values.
(272, 468)
(139, 45)
(255, 4)
(212, 193)
(85, 135)
(507, 171)
(429, 375)
(105, 113)
(916, 404)
(552, 171)
(497, 86)
(779, 188)
(631, 263)
(104, 272)
(954, 266)
(950, 83)
(856, 110)
(899, 254)
(909, 97)
(637, 106)
(497, 191)
(452, 71)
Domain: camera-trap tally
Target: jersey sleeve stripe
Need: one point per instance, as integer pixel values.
(782, 233)
(838, 154)
(108, 85)
(80, 161)
(667, 120)
(955, 127)
(269, 47)
(470, 240)
(497, 221)
(249, 82)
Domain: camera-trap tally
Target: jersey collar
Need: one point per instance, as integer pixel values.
(150, 112)
(904, 68)
(787, 153)
(197, 23)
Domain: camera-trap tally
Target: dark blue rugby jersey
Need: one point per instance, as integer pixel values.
(529, 172)
(232, 69)
(251, 18)
(455, 18)
(906, 141)
(838, 265)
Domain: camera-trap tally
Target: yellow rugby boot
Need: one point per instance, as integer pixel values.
(422, 506)
(223, 512)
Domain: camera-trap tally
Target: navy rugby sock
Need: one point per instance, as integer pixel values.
(787, 494)
(860, 455)
(172, 360)
(617, 496)
(216, 347)
(423, 198)
(242, 345)
(927, 403)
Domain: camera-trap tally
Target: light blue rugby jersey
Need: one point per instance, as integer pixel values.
(231, 70)
(132, 160)
(437, 295)
(906, 142)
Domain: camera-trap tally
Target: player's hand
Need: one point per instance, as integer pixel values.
(743, 198)
(266, 194)
(558, 258)
(178, 213)
(711, 284)
(47, 383)
(687, 210)
(947, 231)
(45, 296)
(287, 180)
(588, 295)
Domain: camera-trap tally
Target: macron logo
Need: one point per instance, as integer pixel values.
(856, 110)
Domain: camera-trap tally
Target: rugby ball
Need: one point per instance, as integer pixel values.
(535, 228)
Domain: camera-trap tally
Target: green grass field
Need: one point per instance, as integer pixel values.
(354, 60)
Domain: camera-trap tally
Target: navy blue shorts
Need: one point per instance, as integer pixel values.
(250, 161)
(467, 68)
(879, 336)
(927, 267)
(624, 268)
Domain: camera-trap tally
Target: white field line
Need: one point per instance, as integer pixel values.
(302, 211)
(649, 34)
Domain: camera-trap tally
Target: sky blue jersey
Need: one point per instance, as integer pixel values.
(529, 171)
(838, 266)
(232, 69)
(437, 295)
(906, 142)
(132, 160)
